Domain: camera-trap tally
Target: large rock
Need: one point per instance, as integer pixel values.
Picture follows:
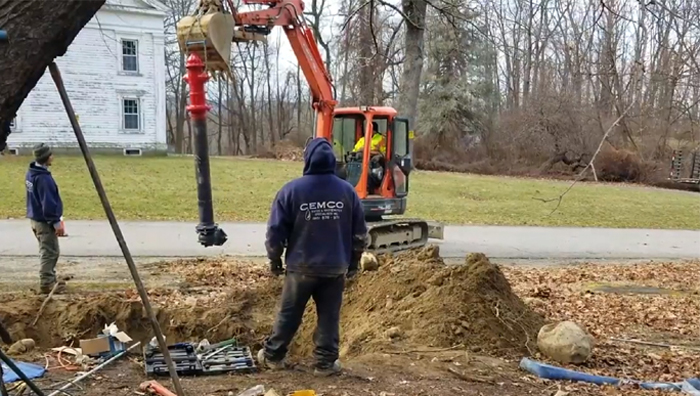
(566, 342)
(368, 262)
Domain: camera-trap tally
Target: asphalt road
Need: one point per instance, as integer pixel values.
(174, 239)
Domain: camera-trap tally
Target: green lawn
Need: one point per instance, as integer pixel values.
(164, 189)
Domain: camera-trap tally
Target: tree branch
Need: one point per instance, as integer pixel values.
(590, 163)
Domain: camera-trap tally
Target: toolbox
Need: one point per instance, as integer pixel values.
(228, 359)
(183, 355)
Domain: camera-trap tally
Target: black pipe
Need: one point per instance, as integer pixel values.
(58, 80)
(20, 374)
(209, 232)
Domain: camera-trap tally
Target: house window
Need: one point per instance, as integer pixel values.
(13, 123)
(132, 118)
(130, 56)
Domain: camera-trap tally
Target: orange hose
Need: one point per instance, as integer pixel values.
(67, 365)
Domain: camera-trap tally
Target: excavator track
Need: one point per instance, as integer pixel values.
(395, 235)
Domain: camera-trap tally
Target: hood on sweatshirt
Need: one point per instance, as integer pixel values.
(319, 157)
(36, 169)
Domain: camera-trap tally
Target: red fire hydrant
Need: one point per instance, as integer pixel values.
(209, 232)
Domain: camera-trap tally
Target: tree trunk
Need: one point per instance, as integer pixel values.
(368, 62)
(413, 65)
(270, 118)
(181, 112)
(38, 32)
(220, 98)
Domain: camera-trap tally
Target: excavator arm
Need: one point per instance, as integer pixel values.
(289, 14)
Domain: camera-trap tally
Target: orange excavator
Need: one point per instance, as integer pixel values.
(381, 178)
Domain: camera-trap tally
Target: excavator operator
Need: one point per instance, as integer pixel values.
(377, 153)
(378, 143)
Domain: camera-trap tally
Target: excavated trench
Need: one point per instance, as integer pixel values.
(412, 299)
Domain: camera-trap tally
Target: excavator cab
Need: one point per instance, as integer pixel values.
(380, 177)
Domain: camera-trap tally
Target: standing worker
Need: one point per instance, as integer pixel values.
(319, 218)
(45, 209)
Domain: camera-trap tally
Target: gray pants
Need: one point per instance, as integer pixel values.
(48, 252)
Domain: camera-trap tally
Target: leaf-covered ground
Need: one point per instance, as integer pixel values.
(654, 302)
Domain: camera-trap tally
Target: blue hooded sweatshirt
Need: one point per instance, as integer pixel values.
(318, 218)
(43, 200)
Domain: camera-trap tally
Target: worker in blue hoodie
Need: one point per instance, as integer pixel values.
(44, 210)
(319, 219)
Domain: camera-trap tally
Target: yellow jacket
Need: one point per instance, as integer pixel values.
(377, 144)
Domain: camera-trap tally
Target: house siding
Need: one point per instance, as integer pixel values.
(96, 85)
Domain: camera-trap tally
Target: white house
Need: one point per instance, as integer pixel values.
(114, 72)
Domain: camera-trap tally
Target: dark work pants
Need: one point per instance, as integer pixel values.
(327, 293)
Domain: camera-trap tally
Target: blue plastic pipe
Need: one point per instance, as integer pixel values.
(3, 36)
(689, 386)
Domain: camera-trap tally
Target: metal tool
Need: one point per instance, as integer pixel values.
(216, 352)
(232, 341)
(228, 358)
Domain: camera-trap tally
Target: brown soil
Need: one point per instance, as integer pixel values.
(414, 299)
(414, 327)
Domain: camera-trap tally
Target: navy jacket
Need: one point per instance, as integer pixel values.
(43, 200)
(318, 217)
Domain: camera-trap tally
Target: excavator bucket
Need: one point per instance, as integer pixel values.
(209, 36)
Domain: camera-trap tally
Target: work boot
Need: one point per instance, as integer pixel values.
(46, 289)
(269, 364)
(327, 371)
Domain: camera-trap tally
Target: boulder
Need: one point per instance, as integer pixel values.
(369, 262)
(566, 342)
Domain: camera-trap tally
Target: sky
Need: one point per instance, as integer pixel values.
(328, 25)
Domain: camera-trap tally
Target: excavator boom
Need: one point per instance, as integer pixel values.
(289, 14)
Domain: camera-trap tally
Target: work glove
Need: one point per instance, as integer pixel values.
(276, 267)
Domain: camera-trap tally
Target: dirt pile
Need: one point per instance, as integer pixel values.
(414, 299)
